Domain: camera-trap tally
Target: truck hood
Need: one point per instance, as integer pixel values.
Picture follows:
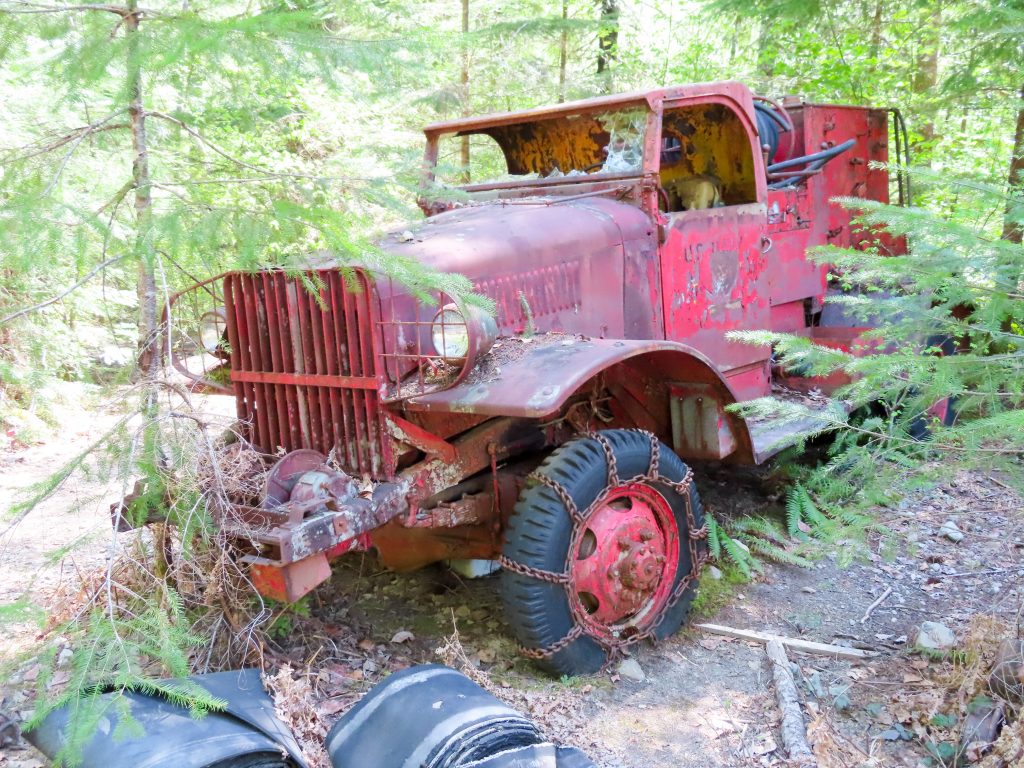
(559, 262)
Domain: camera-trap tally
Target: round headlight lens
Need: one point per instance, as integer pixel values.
(450, 333)
(212, 326)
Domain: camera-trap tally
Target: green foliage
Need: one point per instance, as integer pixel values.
(953, 315)
(113, 658)
(723, 546)
(283, 622)
(948, 315)
(806, 530)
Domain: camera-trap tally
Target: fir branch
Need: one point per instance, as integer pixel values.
(43, 490)
(54, 299)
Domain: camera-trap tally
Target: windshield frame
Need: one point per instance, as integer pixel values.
(649, 160)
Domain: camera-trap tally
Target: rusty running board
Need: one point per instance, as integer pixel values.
(772, 435)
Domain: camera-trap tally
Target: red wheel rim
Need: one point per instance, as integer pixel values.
(623, 562)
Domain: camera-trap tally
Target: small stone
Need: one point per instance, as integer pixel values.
(808, 590)
(64, 657)
(631, 670)
(951, 532)
(933, 636)
(463, 612)
(714, 573)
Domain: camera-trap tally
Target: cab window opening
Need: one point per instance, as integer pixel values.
(706, 159)
(583, 145)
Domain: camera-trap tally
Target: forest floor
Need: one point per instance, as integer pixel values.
(704, 700)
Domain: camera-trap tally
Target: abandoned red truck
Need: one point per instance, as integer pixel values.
(621, 239)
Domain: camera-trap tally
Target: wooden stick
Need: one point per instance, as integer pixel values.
(794, 734)
(878, 602)
(805, 646)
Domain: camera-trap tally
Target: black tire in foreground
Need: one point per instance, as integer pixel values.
(622, 564)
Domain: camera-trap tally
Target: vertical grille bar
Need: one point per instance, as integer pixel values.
(341, 347)
(233, 343)
(249, 330)
(256, 355)
(298, 361)
(316, 312)
(331, 364)
(363, 320)
(358, 419)
(277, 392)
(308, 366)
(288, 365)
(263, 344)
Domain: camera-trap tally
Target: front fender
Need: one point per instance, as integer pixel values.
(535, 378)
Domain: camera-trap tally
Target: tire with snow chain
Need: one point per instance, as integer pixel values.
(622, 563)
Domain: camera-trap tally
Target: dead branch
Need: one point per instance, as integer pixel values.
(76, 135)
(878, 602)
(794, 735)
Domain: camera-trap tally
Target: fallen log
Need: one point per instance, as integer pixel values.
(794, 734)
(804, 646)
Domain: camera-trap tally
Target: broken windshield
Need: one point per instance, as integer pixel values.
(566, 145)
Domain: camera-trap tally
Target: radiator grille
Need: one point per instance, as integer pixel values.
(304, 357)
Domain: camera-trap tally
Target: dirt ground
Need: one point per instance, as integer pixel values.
(704, 701)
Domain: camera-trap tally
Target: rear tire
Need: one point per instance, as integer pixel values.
(627, 557)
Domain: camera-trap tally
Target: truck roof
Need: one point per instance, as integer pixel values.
(728, 88)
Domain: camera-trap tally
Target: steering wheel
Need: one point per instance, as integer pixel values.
(663, 200)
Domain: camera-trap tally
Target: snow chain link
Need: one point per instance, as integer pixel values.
(697, 559)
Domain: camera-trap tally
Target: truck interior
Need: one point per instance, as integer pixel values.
(706, 158)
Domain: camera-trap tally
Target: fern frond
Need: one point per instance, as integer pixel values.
(773, 552)
(794, 511)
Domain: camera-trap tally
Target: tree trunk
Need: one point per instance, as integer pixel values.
(766, 49)
(927, 76)
(607, 41)
(145, 254)
(464, 90)
(563, 51)
(1012, 230)
(734, 40)
(149, 357)
(876, 36)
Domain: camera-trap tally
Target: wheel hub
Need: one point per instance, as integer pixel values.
(625, 558)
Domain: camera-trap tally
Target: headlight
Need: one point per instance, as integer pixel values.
(461, 335)
(212, 326)
(450, 333)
